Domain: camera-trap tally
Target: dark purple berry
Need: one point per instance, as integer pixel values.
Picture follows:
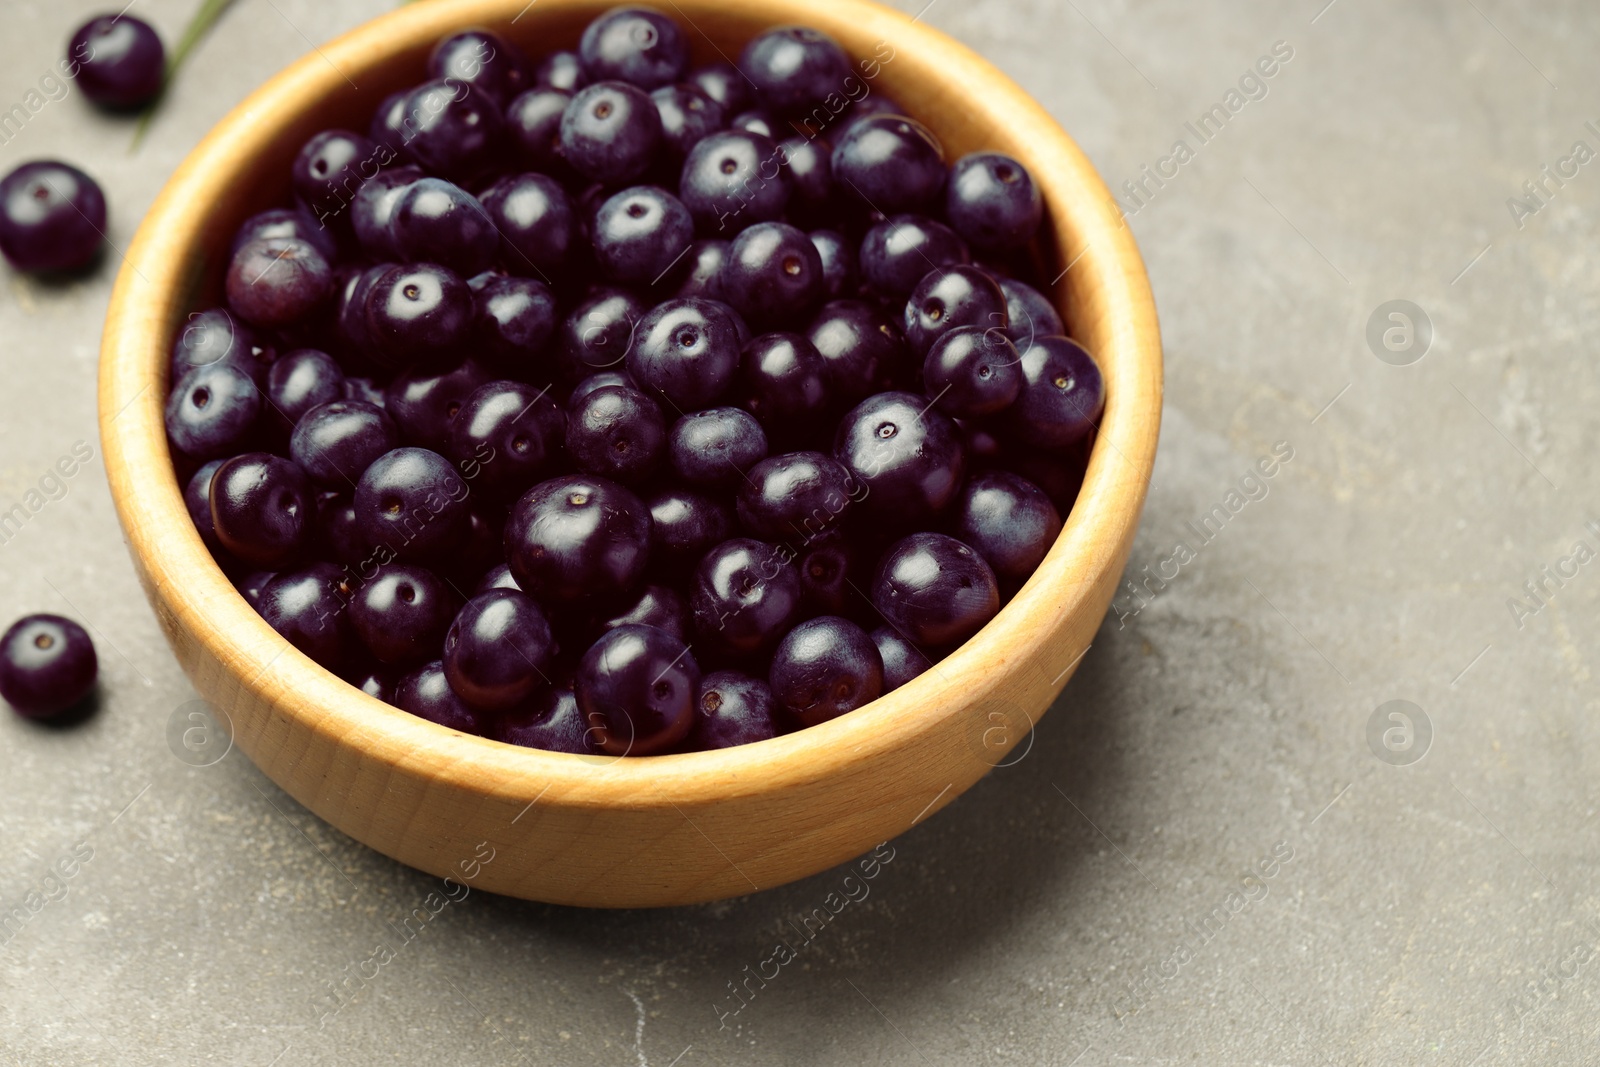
(47, 665)
(436, 221)
(300, 381)
(262, 509)
(972, 371)
(497, 577)
(536, 222)
(413, 502)
(577, 540)
(992, 202)
(552, 722)
(251, 586)
(330, 170)
(687, 352)
(934, 590)
(838, 264)
(1008, 521)
(724, 83)
(657, 606)
(794, 68)
(862, 350)
(908, 458)
(610, 131)
(823, 668)
(498, 650)
(213, 412)
(455, 134)
(892, 162)
(277, 281)
(426, 693)
(560, 70)
(828, 566)
(763, 122)
(732, 179)
(898, 252)
(483, 61)
(773, 275)
(373, 206)
(712, 449)
(731, 708)
(636, 685)
(402, 614)
(1063, 395)
(594, 382)
(638, 45)
(417, 311)
(337, 441)
(902, 661)
(595, 334)
(684, 526)
(745, 596)
(795, 497)
(425, 404)
(783, 380)
(617, 433)
(514, 320)
(285, 222)
(338, 529)
(197, 501)
(506, 437)
(117, 60)
(533, 122)
(1030, 314)
(687, 116)
(640, 233)
(951, 297)
(214, 337)
(307, 608)
(699, 271)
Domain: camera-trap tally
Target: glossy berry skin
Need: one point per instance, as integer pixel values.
(376, 683)
(372, 209)
(1008, 521)
(594, 336)
(783, 383)
(862, 349)
(731, 708)
(1063, 395)
(286, 222)
(425, 404)
(763, 122)
(560, 70)
(309, 608)
(402, 614)
(934, 590)
(300, 381)
(838, 264)
(52, 217)
(950, 297)
(1029, 313)
(657, 606)
(636, 685)
(617, 433)
(823, 668)
(498, 650)
(909, 458)
(338, 531)
(119, 61)
(251, 586)
(732, 179)
(482, 60)
(640, 233)
(414, 502)
(601, 380)
(686, 352)
(47, 665)
(746, 594)
(536, 221)
(902, 661)
(891, 162)
(992, 202)
(722, 82)
(553, 723)
(972, 371)
(506, 437)
(329, 168)
(197, 502)
(262, 509)
(638, 45)
(513, 322)
(420, 311)
(827, 565)
(215, 337)
(794, 498)
(712, 449)
(897, 253)
(794, 68)
(810, 165)
(533, 123)
(337, 441)
(684, 526)
(426, 693)
(773, 276)
(436, 221)
(699, 272)
(455, 135)
(276, 281)
(610, 131)
(576, 540)
(389, 123)
(687, 116)
(213, 412)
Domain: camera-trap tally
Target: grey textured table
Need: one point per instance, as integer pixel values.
(1218, 849)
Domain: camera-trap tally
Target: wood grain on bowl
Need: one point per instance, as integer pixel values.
(641, 831)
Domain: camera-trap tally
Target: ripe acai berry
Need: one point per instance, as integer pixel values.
(47, 665)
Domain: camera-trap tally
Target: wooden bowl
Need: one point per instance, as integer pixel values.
(643, 831)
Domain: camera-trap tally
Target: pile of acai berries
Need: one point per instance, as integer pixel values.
(610, 404)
